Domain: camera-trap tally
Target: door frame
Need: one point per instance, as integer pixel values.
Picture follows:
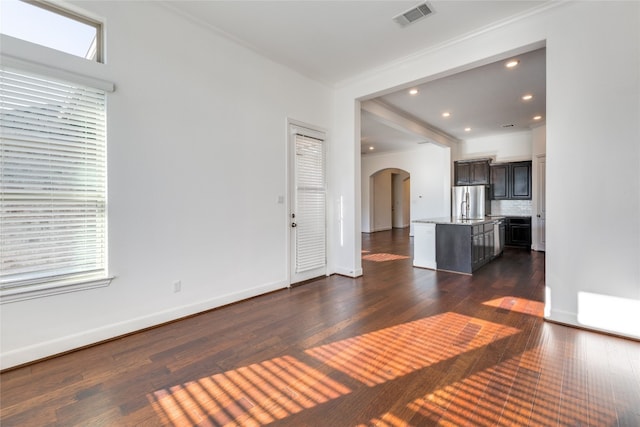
(539, 181)
(373, 192)
(291, 125)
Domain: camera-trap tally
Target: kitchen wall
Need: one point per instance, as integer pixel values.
(592, 150)
(197, 161)
(501, 147)
(511, 207)
(508, 147)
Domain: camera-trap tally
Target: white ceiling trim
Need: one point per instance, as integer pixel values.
(230, 37)
(202, 23)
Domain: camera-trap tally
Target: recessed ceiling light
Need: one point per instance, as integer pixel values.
(446, 114)
(527, 97)
(537, 117)
(512, 63)
(371, 148)
(467, 129)
(413, 92)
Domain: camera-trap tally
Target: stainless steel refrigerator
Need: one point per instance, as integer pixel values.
(470, 202)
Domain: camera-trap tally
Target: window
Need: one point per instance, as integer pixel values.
(48, 25)
(52, 186)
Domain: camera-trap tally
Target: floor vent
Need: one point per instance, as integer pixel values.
(413, 15)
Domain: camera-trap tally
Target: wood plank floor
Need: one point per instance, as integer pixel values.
(399, 346)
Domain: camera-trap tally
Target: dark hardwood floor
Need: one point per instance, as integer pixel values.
(398, 346)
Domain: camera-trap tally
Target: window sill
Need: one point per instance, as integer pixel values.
(10, 295)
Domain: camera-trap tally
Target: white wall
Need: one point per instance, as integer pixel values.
(538, 141)
(593, 167)
(593, 155)
(509, 147)
(429, 168)
(197, 161)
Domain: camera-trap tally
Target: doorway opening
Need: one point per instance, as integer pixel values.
(389, 199)
(389, 218)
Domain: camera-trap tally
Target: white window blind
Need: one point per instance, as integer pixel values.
(310, 203)
(53, 181)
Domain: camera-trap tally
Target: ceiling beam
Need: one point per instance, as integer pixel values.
(399, 120)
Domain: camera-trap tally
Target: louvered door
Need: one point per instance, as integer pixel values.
(308, 213)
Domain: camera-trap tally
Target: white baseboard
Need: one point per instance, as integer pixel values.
(571, 319)
(60, 345)
(349, 273)
(563, 317)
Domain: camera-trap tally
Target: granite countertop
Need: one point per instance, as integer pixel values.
(456, 221)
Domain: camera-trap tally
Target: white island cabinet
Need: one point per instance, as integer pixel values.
(424, 245)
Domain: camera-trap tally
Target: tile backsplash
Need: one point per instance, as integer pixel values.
(511, 207)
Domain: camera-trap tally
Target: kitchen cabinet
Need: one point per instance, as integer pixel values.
(471, 172)
(518, 231)
(499, 179)
(520, 175)
(511, 181)
(482, 245)
(464, 248)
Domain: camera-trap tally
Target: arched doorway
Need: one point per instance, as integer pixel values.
(389, 199)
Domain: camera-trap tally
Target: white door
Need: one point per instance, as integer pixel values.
(541, 215)
(308, 207)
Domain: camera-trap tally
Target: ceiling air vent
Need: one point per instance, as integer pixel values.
(413, 15)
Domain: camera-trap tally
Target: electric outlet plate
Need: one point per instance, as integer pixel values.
(177, 286)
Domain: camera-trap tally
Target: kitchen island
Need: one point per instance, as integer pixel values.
(457, 245)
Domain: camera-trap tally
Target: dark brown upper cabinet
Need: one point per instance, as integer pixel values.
(511, 181)
(471, 172)
(499, 179)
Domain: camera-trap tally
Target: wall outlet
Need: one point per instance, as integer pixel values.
(177, 286)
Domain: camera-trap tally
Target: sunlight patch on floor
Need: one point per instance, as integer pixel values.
(253, 395)
(520, 305)
(272, 390)
(393, 352)
(492, 397)
(381, 257)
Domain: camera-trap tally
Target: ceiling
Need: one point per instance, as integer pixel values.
(335, 41)
(483, 101)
